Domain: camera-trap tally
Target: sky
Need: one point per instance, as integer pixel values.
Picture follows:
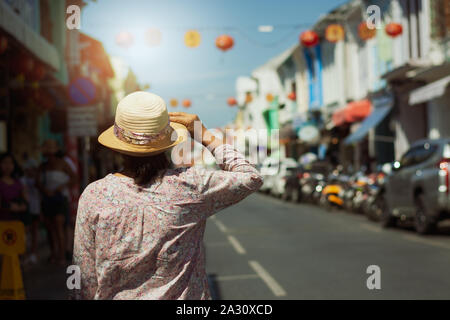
(204, 74)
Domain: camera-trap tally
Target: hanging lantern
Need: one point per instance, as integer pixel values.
(186, 103)
(292, 96)
(153, 37)
(224, 42)
(365, 33)
(192, 39)
(334, 33)
(269, 97)
(309, 39)
(231, 101)
(3, 43)
(394, 29)
(124, 39)
(173, 103)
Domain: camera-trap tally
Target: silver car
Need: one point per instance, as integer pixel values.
(418, 187)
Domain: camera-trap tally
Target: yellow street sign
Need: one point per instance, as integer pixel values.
(12, 243)
(12, 237)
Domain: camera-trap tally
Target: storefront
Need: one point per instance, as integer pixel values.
(27, 61)
(347, 122)
(436, 96)
(376, 130)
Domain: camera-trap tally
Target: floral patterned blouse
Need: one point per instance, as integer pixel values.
(136, 242)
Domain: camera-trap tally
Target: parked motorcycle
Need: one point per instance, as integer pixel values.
(374, 205)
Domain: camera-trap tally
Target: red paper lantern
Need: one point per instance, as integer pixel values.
(292, 96)
(224, 42)
(186, 103)
(309, 39)
(3, 43)
(334, 33)
(231, 101)
(394, 29)
(365, 33)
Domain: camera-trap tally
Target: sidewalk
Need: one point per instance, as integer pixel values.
(45, 281)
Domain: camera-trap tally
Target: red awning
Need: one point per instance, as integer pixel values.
(353, 112)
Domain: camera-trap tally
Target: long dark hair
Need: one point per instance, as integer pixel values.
(17, 172)
(145, 170)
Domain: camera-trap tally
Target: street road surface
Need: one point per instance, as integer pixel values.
(264, 248)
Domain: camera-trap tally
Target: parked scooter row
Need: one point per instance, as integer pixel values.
(318, 184)
(414, 190)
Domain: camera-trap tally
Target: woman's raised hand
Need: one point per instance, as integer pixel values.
(203, 136)
(188, 120)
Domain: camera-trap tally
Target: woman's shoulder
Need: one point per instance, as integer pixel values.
(97, 187)
(184, 173)
(189, 177)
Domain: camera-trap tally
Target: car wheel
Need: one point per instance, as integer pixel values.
(386, 218)
(423, 223)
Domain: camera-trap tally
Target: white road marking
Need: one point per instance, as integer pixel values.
(237, 277)
(273, 285)
(370, 227)
(236, 245)
(221, 226)
(426, 241)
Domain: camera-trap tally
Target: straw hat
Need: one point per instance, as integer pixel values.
(142, 127)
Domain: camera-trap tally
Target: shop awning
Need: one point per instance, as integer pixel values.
(370, 122)
(353, 112)
(429, 92)
(13, 24)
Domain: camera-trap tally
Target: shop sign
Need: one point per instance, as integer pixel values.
(82, 121)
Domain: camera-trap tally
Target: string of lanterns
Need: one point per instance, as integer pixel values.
(336, 32)
(187, 103)
(192, 38)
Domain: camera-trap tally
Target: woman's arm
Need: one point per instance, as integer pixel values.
(72, 176)
(84, 248)
(3, 210)
(24, 195)
(220, 188)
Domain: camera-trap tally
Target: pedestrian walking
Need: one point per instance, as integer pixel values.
(139, 232)
(55, 179)
(29, 181)
(13, 197)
